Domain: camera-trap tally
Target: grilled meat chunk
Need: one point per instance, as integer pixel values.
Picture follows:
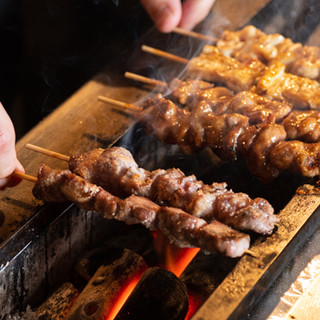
(303, 125)
(298, 157)
(213, 66)
(257, 108)
(252, 43)
(302, 93)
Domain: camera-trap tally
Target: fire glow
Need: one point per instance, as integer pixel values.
(123, 296)
(175, 260)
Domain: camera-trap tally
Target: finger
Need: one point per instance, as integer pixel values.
(165, 14)
(194, 11)
(12, 180)
(8, 158)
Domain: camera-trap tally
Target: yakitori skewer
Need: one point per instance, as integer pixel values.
(196, 129)
(272, 81)
(62, 185)
(191, 92)
(119, 173)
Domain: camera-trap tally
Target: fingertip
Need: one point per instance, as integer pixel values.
(166, 14)
(167, 19)
(194, 11)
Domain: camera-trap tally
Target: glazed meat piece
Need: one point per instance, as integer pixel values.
(252, 43)
(195, 129)
(298, 157)
(184, 91)
(276, 84)
(303, 125)
(172, 188)
(257, 143)
(183, 229)
(215, 67)
(257, 108)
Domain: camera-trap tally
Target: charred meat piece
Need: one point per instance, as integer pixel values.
(182, 228)
(172, 188)
(303, 125)
(184, 91)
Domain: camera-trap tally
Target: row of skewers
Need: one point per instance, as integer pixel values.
(187, 211)
(250, 116)
(269, 128)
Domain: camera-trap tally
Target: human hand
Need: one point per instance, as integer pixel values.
(168, 14)
(8, 157)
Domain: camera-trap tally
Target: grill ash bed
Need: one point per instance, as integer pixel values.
(59, 261)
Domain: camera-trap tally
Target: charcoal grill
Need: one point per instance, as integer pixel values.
(41, 245)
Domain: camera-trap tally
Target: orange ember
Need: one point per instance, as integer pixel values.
(123, 296)
(173, 258)
(194, 303)
(177, 259)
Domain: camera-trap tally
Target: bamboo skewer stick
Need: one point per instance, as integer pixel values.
(118, 103)
(164, 54)
(193, 34)
(25, 176)
(48, 152)
(146, 80)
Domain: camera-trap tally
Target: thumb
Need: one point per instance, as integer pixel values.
(165, 14)
(194, 11)
(8, 157)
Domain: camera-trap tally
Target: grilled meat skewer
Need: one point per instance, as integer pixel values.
(229, 135)
(223, 101)
(272, 81)
(182, 228)
(115, 170)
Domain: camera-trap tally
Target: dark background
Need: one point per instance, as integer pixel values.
(49, 48)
